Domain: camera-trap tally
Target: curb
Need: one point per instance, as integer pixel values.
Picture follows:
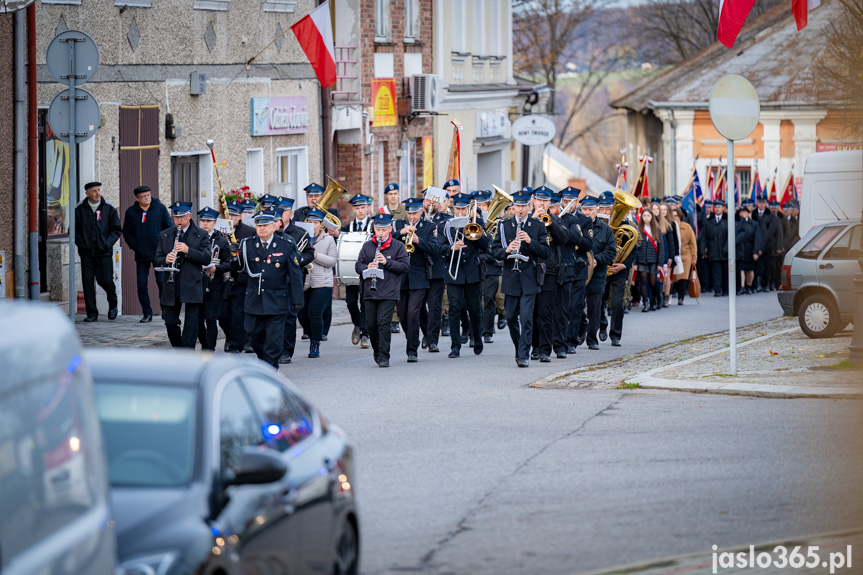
(647, 380)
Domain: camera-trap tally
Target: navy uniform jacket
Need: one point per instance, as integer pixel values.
(716, 238)
(225, 259)
(190, 279)
(398, 263)
(239, 279)
(297, 234)
(558, 235)
(356, 226)
(438, 266)
(281, 281)
(524, 282)
(604, 252)
(577, 242)
(425, 249)
(469, 271)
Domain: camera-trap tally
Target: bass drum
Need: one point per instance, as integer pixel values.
(349, 246)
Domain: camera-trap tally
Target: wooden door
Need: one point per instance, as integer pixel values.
(139, 166)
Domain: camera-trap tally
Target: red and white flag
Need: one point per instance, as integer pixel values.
(732, 15)
(801, 9)
(315, 34)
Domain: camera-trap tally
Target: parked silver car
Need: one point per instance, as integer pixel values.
(54, 512)
(817, 278)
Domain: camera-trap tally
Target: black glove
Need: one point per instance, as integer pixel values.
(296, 307)
(235, 247)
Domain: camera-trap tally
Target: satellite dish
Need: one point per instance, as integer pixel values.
(8, 6)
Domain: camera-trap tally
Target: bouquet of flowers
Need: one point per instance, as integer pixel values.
(241, 194)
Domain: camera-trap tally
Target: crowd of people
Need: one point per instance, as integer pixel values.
(559, 269)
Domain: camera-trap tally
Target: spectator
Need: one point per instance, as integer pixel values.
(97, 229)
(716, 244)
(651, 253)
(746, 230)
(688, 252)
(142, 224)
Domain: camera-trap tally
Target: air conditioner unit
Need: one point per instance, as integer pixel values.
(425, 93)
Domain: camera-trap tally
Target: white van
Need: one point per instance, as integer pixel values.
(832, 188)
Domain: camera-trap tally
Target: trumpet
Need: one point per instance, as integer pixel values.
(409, 246)
(214, 261)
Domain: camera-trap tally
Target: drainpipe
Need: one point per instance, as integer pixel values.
(32, 153)
(19, 142)
(673, 123)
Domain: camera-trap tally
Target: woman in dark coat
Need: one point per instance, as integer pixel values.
(672, 250)
(651, 255)
(745, 247)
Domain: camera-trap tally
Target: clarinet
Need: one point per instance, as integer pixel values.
(517, 252)
(170, 279)
(374, 286)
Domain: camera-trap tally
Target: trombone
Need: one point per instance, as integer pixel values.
(470, 231)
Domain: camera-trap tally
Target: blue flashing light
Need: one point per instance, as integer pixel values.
(272, 430)
(214, 531)
(74, 364)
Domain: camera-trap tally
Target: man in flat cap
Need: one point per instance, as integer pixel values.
(97, 229)
(142, 224)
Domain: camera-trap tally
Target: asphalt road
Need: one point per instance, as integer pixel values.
(464, 469)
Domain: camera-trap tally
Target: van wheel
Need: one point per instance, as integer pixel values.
(819, 317)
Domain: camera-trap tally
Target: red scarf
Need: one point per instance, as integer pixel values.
(647, 233)
(385, 245)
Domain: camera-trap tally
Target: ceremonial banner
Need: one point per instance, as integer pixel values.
(428, 162)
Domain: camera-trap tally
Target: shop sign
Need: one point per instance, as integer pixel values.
(280, 115)
(533, 130)
(428, 162)
(384, 99)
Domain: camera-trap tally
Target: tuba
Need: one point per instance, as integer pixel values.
(333, 192)
(497, 207)
(625, 235)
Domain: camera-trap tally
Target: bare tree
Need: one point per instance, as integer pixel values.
(546, 35)
(839, 70)
(670, 31)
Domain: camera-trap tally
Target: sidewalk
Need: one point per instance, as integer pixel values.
(125, 331)
(775, 359)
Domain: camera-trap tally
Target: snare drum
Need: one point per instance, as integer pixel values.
(349, 246)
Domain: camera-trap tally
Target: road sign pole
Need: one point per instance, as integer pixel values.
(73, 182)
(731, 204)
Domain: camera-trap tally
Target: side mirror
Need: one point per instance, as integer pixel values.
(258, 465)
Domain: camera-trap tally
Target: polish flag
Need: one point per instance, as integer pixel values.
(732, 15)
(801, 9)
(315, 34)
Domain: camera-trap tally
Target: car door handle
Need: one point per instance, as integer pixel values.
(826, 266)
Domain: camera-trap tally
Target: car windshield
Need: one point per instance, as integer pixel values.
(149, 434)
(814, 246)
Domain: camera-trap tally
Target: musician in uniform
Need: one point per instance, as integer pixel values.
(266, 201)
(381, 294)
(578, 222)
(452, 188)
(465, 289)
(313, 195)
(556, 236)
(521, 243)
(569, 267)
(186, 247)
(615, 285)
(420, 234)
(604, 251)
(231, 314)
(214, 280)
(275, 284)
(492, 298)
(362, 222)
(437, 270)
(307, 254)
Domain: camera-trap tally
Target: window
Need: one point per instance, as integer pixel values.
(847, 247)
(293, 170)
(457, 28)
(286, 6)
(217, 5)
(411, 21)
(149, 434)
(255, 171)
(814, 246)
(276, 406)
(238, 425)
(382, 21)
(479, 26)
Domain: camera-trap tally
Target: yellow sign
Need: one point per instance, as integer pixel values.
(428, 162)
(384, 99)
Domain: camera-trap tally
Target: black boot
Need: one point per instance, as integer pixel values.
(314, 348)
